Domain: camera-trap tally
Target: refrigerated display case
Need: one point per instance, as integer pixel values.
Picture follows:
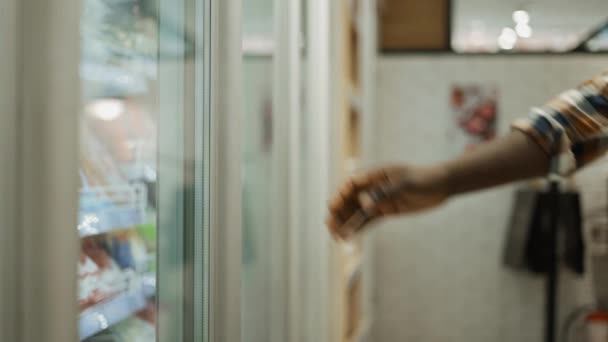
(118, 168)
(115, 174)
(145, 82)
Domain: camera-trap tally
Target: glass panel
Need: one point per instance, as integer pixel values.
(117, 220)
(258, 248)
(142, 64)
(257, 185)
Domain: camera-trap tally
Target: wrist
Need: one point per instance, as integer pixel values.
(444, 179)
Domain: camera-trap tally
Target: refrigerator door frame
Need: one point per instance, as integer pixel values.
(48, 45)
(225, 177)
(301, 269)
(45, 155)
(207, 90)
(302, 275)
(218, 58)
(8, 176)
(285, 270)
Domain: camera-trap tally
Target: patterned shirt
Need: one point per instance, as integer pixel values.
(566, 126)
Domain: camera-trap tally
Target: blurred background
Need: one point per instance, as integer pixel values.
(193, 145)
(420, 82)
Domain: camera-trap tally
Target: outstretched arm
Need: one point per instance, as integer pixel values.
(558, 128)
(503, 160)
(507, 159)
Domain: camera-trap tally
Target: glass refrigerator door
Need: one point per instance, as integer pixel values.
(144, 161)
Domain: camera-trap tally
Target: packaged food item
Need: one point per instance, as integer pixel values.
(109, 280)
(148, 314)
(120, 247)
(128, 250)
(93, 248)
(88, 276)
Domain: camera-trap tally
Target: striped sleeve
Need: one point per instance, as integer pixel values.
(564, 126)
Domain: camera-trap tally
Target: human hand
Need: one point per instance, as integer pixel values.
(384, 192)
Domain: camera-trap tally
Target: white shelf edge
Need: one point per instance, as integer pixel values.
(91, 231)
(113, 311)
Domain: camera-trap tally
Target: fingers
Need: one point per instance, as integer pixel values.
(381, 195)
(344, 203)
(350, 189)
(366, 180)
(352, 197)
(334, 227)
(344, 230)
(336, 205)
(343, 207)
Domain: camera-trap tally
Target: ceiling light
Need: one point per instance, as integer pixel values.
(507, 39)
(505, 45)
(523, 30)
(521, 17)
(106, 109)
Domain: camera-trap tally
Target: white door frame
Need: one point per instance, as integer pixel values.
(368, 50)
(318, 88)
(226, 189)
(301, 180)
(285, 305)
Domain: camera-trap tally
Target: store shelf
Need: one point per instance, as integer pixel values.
(106, 209)
(101, 223)
(104, 315)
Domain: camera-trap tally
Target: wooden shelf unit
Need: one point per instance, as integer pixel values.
(349, 280)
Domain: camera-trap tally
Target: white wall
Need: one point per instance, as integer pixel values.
(438, 276)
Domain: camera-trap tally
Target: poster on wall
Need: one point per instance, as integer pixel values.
(474, 115)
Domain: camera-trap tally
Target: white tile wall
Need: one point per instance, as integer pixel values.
(438, 276)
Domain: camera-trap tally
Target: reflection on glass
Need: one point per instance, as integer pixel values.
(257, 208)
(525, 27)
(117, 266)
(258, 249)
(599, 42)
